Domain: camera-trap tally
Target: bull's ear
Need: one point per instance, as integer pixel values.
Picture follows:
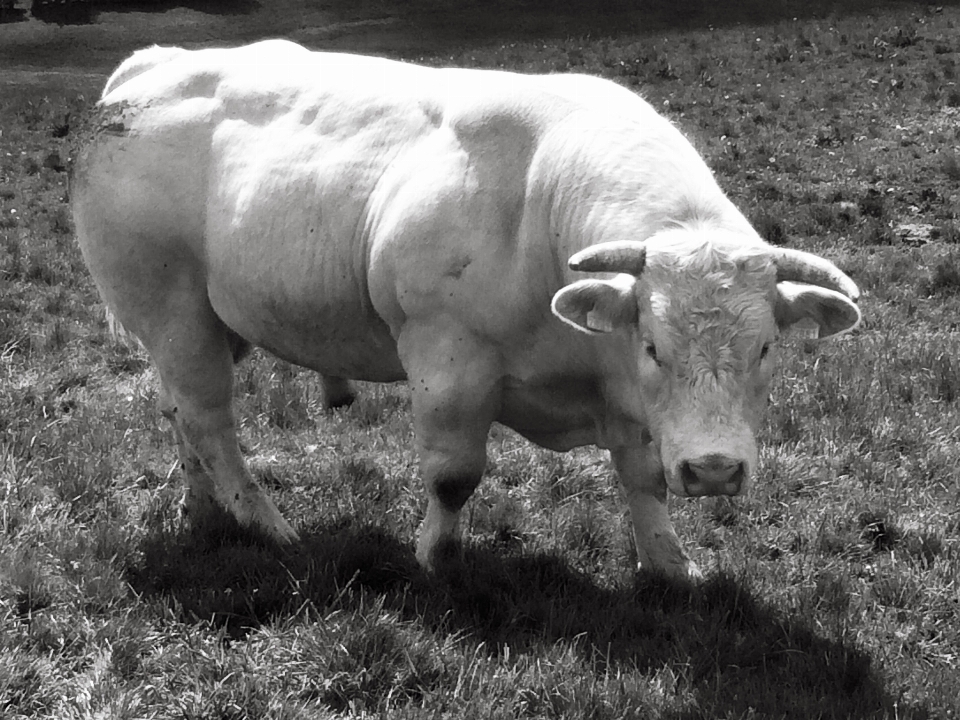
(597, 306)
(833, 312)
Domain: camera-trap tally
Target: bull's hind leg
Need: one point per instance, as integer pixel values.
(194, 353)
(453, 387)
(199, 495)
(337, 392)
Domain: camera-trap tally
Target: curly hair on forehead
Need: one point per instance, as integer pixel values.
(710, 285)
(713, 257)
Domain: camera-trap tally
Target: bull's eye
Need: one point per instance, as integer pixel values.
(651, 351)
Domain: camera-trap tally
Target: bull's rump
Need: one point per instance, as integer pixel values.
(323, 198)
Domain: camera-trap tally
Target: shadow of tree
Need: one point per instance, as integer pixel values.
(83, 12)
(737, 652)
(209, 7)
(10, 13)
(63, 12)
(411, 28)
(462, 23)
(436, 25)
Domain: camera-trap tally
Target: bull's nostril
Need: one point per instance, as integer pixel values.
(713, 475)
(715, 470)
(735, 481)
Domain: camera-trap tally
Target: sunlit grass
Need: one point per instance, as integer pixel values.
(831, 589)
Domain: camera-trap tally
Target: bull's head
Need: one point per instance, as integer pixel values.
(703, 315)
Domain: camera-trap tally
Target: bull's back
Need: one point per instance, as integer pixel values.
(322, 199)
(269, 174)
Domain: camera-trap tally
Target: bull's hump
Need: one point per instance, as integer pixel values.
(278, 79)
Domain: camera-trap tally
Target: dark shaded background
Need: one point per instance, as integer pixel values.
(89, 35)
(442, 22)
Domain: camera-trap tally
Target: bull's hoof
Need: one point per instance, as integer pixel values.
(282, 534)
(265, 517)
(337, 392)
(201, 510)
(210, 518)
(686, 573)
(209, 523)
(335, 402)
(445, 554)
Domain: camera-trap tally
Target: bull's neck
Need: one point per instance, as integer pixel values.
(603, 191)
(587, 219)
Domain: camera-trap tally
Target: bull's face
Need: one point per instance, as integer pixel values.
(706, 335)
(702, 313)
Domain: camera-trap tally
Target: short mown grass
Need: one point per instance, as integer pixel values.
(831, 590)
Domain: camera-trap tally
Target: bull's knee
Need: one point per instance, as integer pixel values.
(439, 539)
(453, 492)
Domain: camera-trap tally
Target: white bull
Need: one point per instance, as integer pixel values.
(382, 221)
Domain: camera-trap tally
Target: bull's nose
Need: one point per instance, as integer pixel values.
(712, 475)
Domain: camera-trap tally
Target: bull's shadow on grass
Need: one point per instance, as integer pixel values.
(732, 650)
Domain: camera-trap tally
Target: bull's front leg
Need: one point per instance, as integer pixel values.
(658, 547)
(455, 397)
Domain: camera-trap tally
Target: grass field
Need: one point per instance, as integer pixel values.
(832, 590)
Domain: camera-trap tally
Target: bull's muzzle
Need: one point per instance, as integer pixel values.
(714, 474)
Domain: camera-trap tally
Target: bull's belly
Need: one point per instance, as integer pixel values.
(334, 338)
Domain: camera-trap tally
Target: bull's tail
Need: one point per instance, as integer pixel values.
(139, 63)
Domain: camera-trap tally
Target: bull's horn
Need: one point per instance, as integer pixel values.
(804, 267)
(621, 256)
